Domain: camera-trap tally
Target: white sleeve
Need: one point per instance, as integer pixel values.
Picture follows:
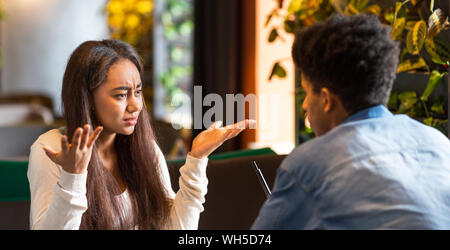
(58, 198)
(188, 201)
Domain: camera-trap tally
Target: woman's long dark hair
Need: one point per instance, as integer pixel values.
(86, 70)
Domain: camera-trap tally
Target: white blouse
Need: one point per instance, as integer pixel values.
(58, 198)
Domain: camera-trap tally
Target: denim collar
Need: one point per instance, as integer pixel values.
(372, 112)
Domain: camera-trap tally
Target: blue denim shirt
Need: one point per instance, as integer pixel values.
(375, 170)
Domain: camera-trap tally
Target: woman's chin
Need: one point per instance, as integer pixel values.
(127, 130)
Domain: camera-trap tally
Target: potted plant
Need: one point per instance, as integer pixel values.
(420, 28)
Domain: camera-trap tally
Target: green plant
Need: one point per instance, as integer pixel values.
(177, 20)
(418, 30)
(417, 24)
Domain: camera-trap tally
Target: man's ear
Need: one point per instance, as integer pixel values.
(327, 99)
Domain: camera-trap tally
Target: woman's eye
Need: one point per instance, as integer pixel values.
(138, 92)
(120, 96)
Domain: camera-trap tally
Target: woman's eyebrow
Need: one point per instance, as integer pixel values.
(126, 87)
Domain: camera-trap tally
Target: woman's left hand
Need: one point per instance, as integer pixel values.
(209, 140)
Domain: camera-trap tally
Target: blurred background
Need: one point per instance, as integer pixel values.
(219, 45)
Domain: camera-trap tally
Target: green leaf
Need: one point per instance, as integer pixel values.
(393, 101)
(176, 54)
(410, 25)
(437, 22)
(351, 10)
(398, 27)
(170, 32)
(428, 121)
(268, 20)
(277, 70)
(407, 101)
(186, 28)
(438, 107)
(442, 49)
(398, 10)
(409, 42)
(270, 16)
(389, 16)
(436, 123)
(373, 9)
(289, 26)
(360, 4)
(294, 6)
(273, 35)
(409, 65)
(419, 33)
(433, 81)
(416, 37)
(430, 47)
(339, 5)
(438, 61)
(402, 55)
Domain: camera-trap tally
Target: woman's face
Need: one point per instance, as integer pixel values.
(118, 102)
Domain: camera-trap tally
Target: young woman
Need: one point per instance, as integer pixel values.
(114, 177)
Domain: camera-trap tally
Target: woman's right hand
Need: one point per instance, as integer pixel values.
(74, 158)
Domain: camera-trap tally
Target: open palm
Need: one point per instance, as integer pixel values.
(74, 158)
(212, 138)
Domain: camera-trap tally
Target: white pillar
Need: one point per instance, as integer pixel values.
(37, 38)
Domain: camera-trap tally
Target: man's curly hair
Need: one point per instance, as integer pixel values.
(354, 57)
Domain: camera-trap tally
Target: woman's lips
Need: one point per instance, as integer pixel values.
(130, 122)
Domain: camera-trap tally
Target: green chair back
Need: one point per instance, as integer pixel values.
(14, 184)
(233, 154)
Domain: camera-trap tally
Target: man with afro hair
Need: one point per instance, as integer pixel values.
(367, 168)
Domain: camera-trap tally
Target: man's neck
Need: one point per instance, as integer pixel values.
(338, 116)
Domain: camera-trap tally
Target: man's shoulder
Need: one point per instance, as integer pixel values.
(312, 160)
(323, 149)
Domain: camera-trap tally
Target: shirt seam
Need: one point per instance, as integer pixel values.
(308, 194)
(338, 165)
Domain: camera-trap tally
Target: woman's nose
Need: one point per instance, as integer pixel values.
(134, 104)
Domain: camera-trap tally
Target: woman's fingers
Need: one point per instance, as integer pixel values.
(242, 124)
(51, 154)
(239, 127)
(64, 144)
(235, 132)
(76, 138)
(215, 125)
(85, 136)
(232, 133)
(94, 136)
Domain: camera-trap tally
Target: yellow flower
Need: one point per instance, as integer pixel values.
(144, 6)
(129, 4)
(116, 20)
(132, 21)
(114, 7)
